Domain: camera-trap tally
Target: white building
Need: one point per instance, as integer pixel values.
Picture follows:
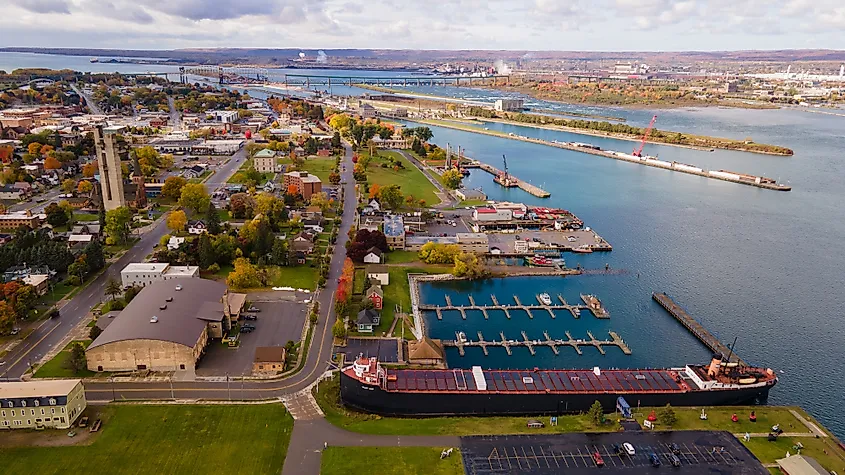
(53, 404)
(509, 105)
(225, 117)
(144, 273)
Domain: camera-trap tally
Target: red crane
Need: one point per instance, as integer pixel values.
(639, 151)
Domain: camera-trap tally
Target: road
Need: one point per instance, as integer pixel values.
(175, 119)
(88, 100)
(318, 354)
(48, 197)
(52, 332)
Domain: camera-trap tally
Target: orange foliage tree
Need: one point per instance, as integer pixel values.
(343, 294)
(52, 163)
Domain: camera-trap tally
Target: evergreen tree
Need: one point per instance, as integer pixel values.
(95, 258)
(205, 250)
(596, 413)
(77, 358)
(212, 219)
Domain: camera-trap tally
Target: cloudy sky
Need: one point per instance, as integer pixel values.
(608, 25)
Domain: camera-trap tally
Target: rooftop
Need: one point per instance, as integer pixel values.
(182, 321)
(146, 267)
(377, 269)
(270, 354)
(56, 387)
(265, 153)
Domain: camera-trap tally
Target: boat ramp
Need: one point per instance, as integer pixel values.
(530, 309)
(461, 343)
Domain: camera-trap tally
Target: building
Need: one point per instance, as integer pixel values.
(9, 192)
(509, 105)
(269, 359)
(488, 215)
(367, 320)
(375, 294)
(378, 273)
(394, 231)
(470, 194)
(140, 274)
(51, 404)
(16, 219)
(111, 173)
(473, 242)
(176, 143)
(225, 117)
(40, 282)
(197, 227)
(217, 147)
(166, 327)
(265, 161)
(303, 183)
(174, 242)
(426, 352)
(367, 111)
(373, 256)
(801, 465)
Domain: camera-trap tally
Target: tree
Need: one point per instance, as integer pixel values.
(205, 251)
(336, 140)
(112, 288)
(339, 329)
(94, 256)
(7, 317)
(194, 197)
(320, 199)
(52, 163)
(172, 188)
(667, 415)
(242, 205)
(34, 148)
(244, 276)
(390, 196)
(212, 219)
(452, 179)
(435, 253)
(177, 220)
(94, 332)
(68, 185)
(340, 121)
(596, 413)
(84, 187)
(334, 178)
(117, 225)
(363, 242)
(89, 169)
(56, 216)
(77, 359)
(279, 253)
(468, 265)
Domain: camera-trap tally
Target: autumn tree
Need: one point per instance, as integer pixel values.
(84, 187)
(172, 188)
(90, 169)
(34, 149)
(177, 220)
(245, 275)
(7, 317)
(117, 225)
(320, 199)
(363, 242)
(334, 178)
(242, 206)
(390, 196)
(52, 163)
(194, 197)
(452, 178)
(435, 253)
(468, 265)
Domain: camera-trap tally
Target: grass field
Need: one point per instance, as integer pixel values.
(320, 166)
(248, 439)
(59, 366)
(299, 277)
(402, 257)
(240, 175)
(399, 293)
(389, 461)
(85, 217)
(328, 397)
(409, 179)
(360, 281)
(831, 457)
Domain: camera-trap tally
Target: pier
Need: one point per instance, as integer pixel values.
(522, 184)
(696, 328)
(554, 344)
(529, 309)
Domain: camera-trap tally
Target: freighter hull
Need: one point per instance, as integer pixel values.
(372, 398)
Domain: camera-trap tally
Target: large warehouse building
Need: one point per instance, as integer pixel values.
(166, 327)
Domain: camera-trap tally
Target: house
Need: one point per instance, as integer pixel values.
(315, 225)
(40, 282)
(139, 274)
(304, 247)
(373, 256)
(166, 327)
(50, 404)
(9, 192)
(375, 294)
(22, 272)
(801, 465)
(374, 204)
(426, 352)
(197, 227)
(304, 236)
(86, 229)
(312, 212)
(269, 359)
(194, 171)
(24, 187)
(379, 273)
(265, 161)
(15, 133)
(174, 242)
(77, 242)
(367, 320)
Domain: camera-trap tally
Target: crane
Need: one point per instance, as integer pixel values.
(639, 151)
(505, 160)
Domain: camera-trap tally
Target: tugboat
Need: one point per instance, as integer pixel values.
(545, 298)
(539, 261)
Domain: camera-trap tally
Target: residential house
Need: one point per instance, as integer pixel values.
(375, 294)
(315, 225)
(174, 242)
(22, 272)
(312, 212)
(379, 273)
(373, 256)
(89, 229)
(15, 133)
(197, 227)
(40, 282)
(367, 320)
(53, 404)
(26, 188)
(374, 204)
(269, 359)
(194, 171)
(9, 192)
(78, 242)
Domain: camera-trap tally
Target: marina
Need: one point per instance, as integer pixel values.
(461, 343)
(542, 306)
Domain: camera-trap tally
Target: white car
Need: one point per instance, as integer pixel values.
(629, 449)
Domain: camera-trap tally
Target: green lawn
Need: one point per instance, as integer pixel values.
(240, 175)
(248, 439)
(59, 366)
(55, 294)
(85, 217)
(360, 281)
(410, 179)
(826, 453)
(719, 418)
(402, 257)
(298, 277)
(320, 166)
(390, 461)
(399, 293)
(328, 398)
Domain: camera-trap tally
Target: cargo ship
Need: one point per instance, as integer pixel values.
(369, 386)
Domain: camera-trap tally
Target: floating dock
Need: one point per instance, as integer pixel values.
(554, 344)
(595, 306)
(696, 328)
(530, 309)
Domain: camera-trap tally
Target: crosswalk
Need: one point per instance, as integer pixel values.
(302, 405)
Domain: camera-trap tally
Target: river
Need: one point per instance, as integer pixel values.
(762, 266)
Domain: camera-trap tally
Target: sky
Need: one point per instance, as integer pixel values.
(582, 25)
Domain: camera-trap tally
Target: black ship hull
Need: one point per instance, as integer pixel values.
(373, 399)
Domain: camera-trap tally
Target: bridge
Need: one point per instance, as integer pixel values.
(308, 80)
(236, 75)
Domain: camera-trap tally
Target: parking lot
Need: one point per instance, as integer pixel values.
(386, 349)
(278, 322)
(569, 239)
(700, 452)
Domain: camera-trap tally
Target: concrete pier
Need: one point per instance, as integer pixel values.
(696, 328)
(525, 186)
(615, 340)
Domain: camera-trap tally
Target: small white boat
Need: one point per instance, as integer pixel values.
(545, 298)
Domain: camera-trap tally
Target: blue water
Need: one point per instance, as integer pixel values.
(759, 265)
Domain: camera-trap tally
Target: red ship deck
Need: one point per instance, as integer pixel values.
(553, 381)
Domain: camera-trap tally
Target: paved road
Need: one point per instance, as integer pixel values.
(52, 332)
(315, 364)
(450, 201)
(48, 197)
(175, 119)
(88, 100)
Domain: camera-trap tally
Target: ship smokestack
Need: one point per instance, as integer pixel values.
(715, 366)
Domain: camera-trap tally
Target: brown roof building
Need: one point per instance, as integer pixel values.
(426, 352)
(269, 359)
(304, 183)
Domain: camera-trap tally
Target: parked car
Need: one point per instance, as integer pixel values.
(597, 458)
(250, 316)
(629, 449)
(675, 448)
(247, 328)
(83, 422)
(676, 462)
(253, 308)
(655, 460)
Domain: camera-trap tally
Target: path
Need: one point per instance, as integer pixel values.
(446, 198)
(813, 427)
(92, 105)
